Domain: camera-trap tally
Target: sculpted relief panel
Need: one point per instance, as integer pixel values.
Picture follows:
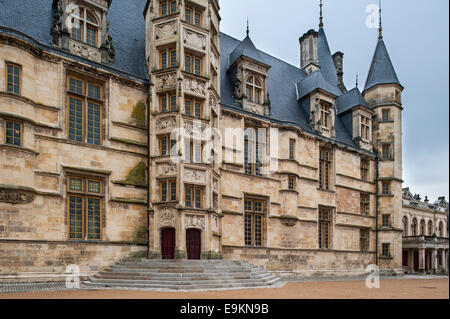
(166, 81)
(167, 217)
(15, 196)
(85, 51)
(165, 30)
(195, 39)
(165, 124)
(254, 108)
(167, 169)
(197, 221)
(195, 86)
(194, 176)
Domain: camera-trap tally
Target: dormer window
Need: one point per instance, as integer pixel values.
(253, 90)
(325, 112)
(365, 128)
(84, 27)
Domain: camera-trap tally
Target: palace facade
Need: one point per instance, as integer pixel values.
(91, 171)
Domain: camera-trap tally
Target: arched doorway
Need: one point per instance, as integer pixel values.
(168, 243)
(193, 243)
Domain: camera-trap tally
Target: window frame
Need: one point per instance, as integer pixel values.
(291, 149)
(169, 4)
(386, 156)
(325, 224)
(19, 67)
(194, 57)
(383, 113)
(386, 220)
(365, 204)
(170, 194)
(169, 145)
(365, 169)
(252, 213)
(292, 181)
(364, 128)
(193, 11)
(170, 97)
(85, 25)
(193, 107)
(325, 168)
(254, 147)
(169, 62)
(388, 185)
(85, 99)
(364, 239)
(193, 196)
(386, 250)
(14, 122)
(255, 87)
(85, 194)
(325, 114)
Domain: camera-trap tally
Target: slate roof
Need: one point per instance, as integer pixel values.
(381, 70)
(246, 48)
(349, 100)
(314, 81)
(127, 28)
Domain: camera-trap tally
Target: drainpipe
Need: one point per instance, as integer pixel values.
(149, 99)
(376, 209)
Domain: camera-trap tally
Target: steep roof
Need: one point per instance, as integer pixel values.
(314, 81)
(246, 48)
(286, 107)
(381, 71)
(33, 19)
(326, 62)
(349, 100)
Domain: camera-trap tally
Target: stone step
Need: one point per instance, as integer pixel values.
(180, 283)
(174, 279)
(138, 268)
(183, 287)
(161, 276)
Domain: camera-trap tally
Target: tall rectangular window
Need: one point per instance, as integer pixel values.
(364, 240)
(168, 58)
(254, 150)
(365, 164)
(193, 151)
(386, 250)
(386, 189)
(13, 133)
(325, 114)
(386, 220)
(291, 149)
(254, 222)
(325, 169)
(85, 207)
(193, 15)
(167, 7)
(386, 152)
(193, 196)
(325, 215)
(385, 115)
(365, 204)
(291, 182)
(85, 108)
(365, 128)
(167, 146)
(13, 74)
(193, 107)
(168, 190)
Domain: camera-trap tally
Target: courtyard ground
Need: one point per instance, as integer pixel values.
(404, 288)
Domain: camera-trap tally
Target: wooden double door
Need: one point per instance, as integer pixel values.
(193, 243)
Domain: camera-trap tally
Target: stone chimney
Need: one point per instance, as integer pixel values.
(309, 59)
(338, 59)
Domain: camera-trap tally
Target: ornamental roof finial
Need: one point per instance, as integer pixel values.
(380, 29)
(321, 15)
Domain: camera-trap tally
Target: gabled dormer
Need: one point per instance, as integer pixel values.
(357, 117)
(80, 26)
(249, 73)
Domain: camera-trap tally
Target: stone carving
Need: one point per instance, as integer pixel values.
(237, 94)
(165, 81)
(288, 222)
(215, 185)
(214, 59)
(164, 124)
(193, 129)
(195, 86)
(108, 45)
(194, 176)
(195, 221)
(165, 30)
(166, 217)
(254, 108)
(214, 102)
(15, 196)
(167, 169)
(84, 51)
(57, 25)
(195, 39)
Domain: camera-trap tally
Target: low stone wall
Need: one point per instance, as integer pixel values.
(34, 261)
(294, 263)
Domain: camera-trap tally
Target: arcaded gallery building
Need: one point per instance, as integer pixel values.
(91, 93)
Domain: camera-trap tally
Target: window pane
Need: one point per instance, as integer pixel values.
(76, 86)
(173, 7)
(76, 30)
(188, 63)
(164, 9)
(94, 124)
(173, 191)
(75, 119)
(94, 91)
(188, 197)
(173, 103)
(94, 187)
(13, 132)
(164, 191)
(94, 218)
(164, 147)
(197, 66)
(248, 229)
(13, 79)
(173, 58)
(91, 36)
(75, 217)
(258, 229)
(164, 104)
(164, 60)
(198, 109)
(76, 184)
(198, 198)
(188, 15)
(197, 18)
(188, 107)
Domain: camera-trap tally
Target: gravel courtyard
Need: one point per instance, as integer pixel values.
(404, 288)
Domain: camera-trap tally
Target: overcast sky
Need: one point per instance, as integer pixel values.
(416, 35)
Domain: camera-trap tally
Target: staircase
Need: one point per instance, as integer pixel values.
(185, 275)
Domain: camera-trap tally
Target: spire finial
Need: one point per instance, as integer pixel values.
(248, 28)
(321, 15)
(380, 29)
(357, 80)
